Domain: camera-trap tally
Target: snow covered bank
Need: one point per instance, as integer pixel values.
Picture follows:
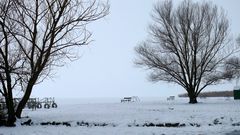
(213, 115)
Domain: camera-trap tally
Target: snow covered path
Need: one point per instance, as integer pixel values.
(214, 116)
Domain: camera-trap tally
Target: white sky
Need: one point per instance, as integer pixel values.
(106, 67)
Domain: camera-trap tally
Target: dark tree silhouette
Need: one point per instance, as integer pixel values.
(10, 59)
(187, 45)
(232, 66)
(37, 36)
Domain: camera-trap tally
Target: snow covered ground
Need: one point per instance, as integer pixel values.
(211, 116)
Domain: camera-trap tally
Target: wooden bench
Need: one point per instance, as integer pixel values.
(170, 98)
(130, 99)
(126, 99)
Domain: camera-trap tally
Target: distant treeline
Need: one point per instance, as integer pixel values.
(212, 94)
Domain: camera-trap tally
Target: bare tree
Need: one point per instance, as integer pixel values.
(232, 66)
(10, 59)
(187, 45)
(44, 33)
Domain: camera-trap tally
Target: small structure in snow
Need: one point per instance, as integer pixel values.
(130, 99)
(171, 98)
(236, 92)
(32, 103)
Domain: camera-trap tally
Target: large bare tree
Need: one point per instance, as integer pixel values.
(187, 45)
(11, 62)
(45, 34)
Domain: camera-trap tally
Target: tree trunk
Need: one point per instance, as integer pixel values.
(26, 95)
(193, 100)
(11, 119)
(192, 96)
(24, 100)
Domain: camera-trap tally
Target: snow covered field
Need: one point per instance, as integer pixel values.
(217, 116)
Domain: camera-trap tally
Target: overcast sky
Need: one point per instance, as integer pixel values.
(106, 67)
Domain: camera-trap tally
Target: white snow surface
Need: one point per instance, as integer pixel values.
(151, 110)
